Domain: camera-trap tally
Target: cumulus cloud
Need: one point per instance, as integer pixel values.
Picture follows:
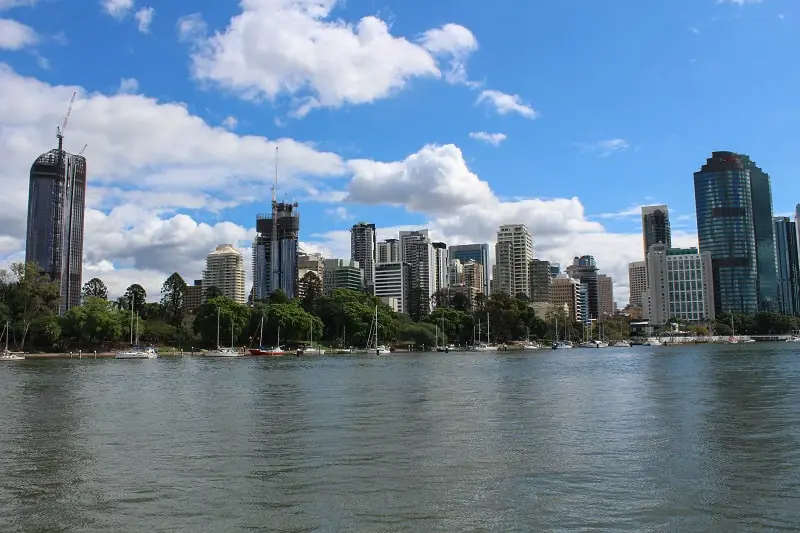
(296, 49)
(8, 4)
(144, 17)
(118, 9)
(505, 104)
(490, 138)
(16, 36)
(128, 86)
(230, 122)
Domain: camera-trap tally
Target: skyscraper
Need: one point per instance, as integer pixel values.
(733, 201)
(637, 282)
(225, 271)
(788, 266)
(474, 252)
(513, 254)
(584, 268)
(441, 279)
(605, 295)
(540, 280)
(417, 250)
(680, 285)
(363, 248)
(56, 204)
(388, 251)
(655, 226)
(275, 251)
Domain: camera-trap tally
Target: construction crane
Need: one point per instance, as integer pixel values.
(85, 146)
(60, 130)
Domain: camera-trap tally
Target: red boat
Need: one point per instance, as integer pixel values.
(274, 352)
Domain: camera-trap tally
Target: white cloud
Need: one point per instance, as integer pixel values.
(8, 4)
(739, 2)
(606, 148)
(15, 35)
(340, 212)
(296, 49)
(128, 86)
(491, 138)
(230, 123)
(505, 104)
(144, 17)
(118, 9)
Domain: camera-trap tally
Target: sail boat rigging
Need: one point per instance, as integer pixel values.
(224, 351)
(136, 352)
(372, 341)
(7, 355)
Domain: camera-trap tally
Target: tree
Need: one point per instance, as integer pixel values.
(209, 293)
(136, 294)
(27, 293)
(312, 286)
(173, 293)
(231, 314)
(96, 288)
(96, 322)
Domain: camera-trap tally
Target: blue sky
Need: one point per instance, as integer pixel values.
(619, 102)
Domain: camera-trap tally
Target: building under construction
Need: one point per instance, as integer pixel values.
(56, 201)
(275, 251)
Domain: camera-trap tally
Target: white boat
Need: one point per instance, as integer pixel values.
(562, 345)
(747, 340)
(652, 342)
(732, 339)
(487, 346)
(135, 351)
(531, 346)
(622, 344)
(793, 338)
(6, 354)
(372, 341)
(224, 351)
(594, 344)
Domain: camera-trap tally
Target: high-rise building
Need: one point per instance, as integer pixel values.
(441, 279)
(417, 250)
(540, 280)
(655, 226)
(455, 272)
(567, 291)
(363, 248)
(513, 251)
(582, 312)
(342, 274)
(605, 295)
(584, 269)
(393, 284)
(555, 270)
(637, 282)
(193, 297)
(474, 252)
(786, 246)
(733, 200)
(680, 285)
(388, 251)
(56, 204)
(225, 271)
(275, 251)
(474, 276)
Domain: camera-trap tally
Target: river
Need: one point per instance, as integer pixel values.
(696, 438)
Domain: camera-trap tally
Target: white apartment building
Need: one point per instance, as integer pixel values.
(637, 282)
(225, 271)
(388, 251)
(392, 283)
(456, 272)
(513, 252)
(441, 278)
(680, 285)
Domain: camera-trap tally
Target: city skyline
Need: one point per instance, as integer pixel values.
(167, 182)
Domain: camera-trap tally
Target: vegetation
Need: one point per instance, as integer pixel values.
(343, 318)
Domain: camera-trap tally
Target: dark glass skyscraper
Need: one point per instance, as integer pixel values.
(788, 266)
(56, 202)
(655, 226)
(584, 268)
(733, 200)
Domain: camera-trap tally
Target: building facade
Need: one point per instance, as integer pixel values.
(680, 285)
(637, 282)
(566, 291)
(474, 252)
(225, 271)
(475, 276)
(539, 280)
(56, 205)
(455, 272)
(786, 246)
(276, 250)
(193, 297)
(733, 201)
(584, 269)
(514, 251)
(417, 250)
(441, 277)
(363, 249)
(388, 251)
(605, 295)
(393, 283)
(655, 226)
(342, 274)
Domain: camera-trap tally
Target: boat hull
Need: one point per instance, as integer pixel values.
(11, 357)
(135, 356)
(267, 353)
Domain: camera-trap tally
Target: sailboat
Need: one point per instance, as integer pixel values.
(372, 341)
(732, 339)
(224, 351)
(488, 347)
(446, 348)
(528, 345)
(274, 351)
(310, 350)
(561, 345)
(136, 352)
(7, 355)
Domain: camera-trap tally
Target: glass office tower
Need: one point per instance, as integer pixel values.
(788, 266)
(733, 201)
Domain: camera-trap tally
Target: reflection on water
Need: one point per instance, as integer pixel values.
(701, 438)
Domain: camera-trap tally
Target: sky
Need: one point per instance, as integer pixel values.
(449, 115)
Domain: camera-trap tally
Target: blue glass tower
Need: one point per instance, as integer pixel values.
(788, 266)
(733, 200)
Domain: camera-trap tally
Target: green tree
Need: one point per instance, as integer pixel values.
(136, 294)
(173, 293)
(313, 289)
(209, 293)
(95, 287)
(231, 314)
(348, 315)
(95, 322)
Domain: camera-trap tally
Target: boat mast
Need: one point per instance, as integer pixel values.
(218, 326)
(8, 334)
(488, 341)
(231, 331)
(132, 320)
(261, 333)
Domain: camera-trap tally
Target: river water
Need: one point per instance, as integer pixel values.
(699, 438)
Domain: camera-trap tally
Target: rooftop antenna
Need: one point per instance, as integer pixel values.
(60, 129)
